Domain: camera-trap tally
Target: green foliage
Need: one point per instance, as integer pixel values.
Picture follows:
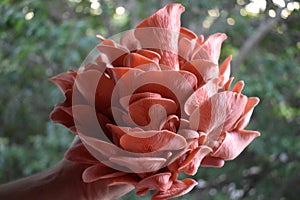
(35, 154)
(39, 39)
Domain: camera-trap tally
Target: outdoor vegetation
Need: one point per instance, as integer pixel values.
(39, 39)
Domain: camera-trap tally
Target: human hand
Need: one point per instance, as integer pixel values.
(62, 181)
(72, 174)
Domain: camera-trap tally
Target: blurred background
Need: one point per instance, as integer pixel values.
(39, 39)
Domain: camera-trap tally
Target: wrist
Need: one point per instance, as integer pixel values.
(53, 183)
(62, 181)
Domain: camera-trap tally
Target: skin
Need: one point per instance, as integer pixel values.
(61, 181)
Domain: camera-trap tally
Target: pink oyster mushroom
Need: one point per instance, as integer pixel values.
(162, 103)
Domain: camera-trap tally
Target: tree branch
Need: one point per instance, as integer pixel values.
(264, 27)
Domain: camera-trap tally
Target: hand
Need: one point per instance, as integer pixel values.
(90, 191)
(62, 181)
